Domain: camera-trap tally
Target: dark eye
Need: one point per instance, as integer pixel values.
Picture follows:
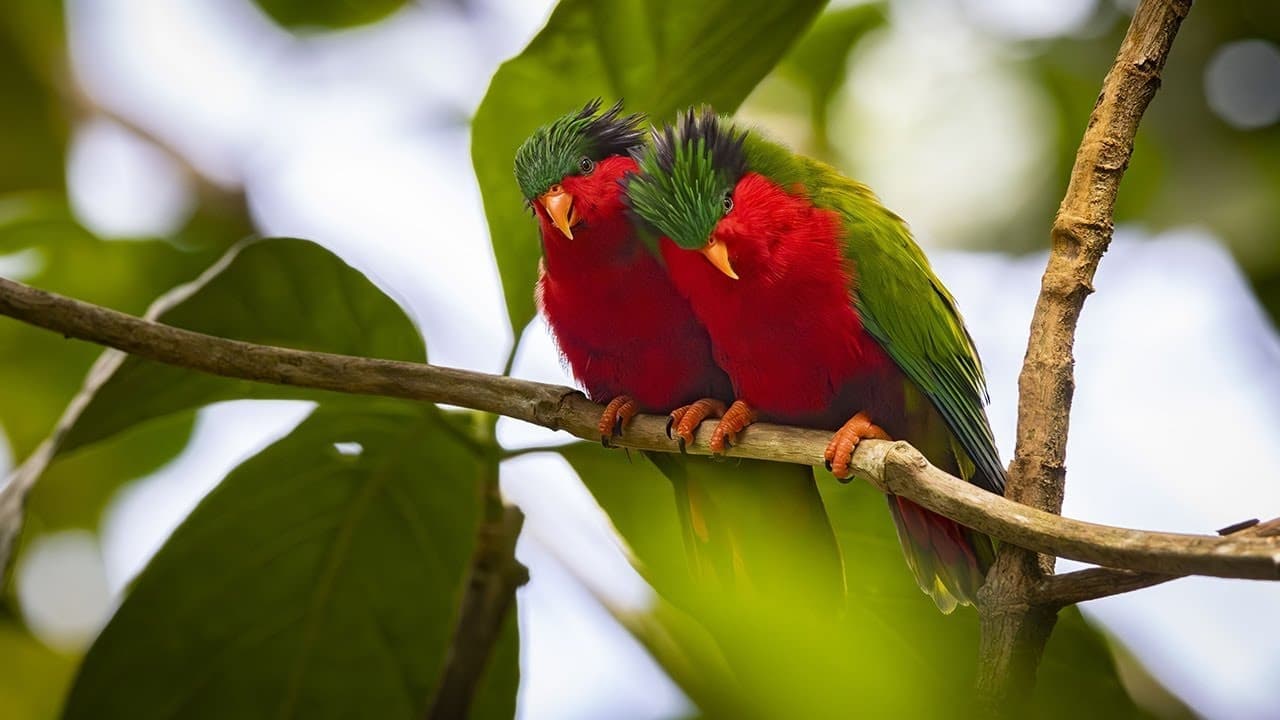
(586, 165)
(728, 202)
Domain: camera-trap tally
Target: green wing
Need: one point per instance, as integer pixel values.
(907, 309)
(901, 302)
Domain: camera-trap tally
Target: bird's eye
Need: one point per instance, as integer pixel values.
(586, 165)
(728, 202)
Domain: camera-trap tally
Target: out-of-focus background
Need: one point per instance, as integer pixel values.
(195, 123)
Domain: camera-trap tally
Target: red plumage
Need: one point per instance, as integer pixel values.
(789, 336)
(624, 329)
(621, 325)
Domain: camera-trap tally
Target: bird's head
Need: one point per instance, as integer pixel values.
(688, 188)
(568, 170)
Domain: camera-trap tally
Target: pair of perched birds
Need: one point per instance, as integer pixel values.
(706, 271)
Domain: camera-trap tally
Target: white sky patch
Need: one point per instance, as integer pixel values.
(62, 590)
(122, 186)
(1030, 19)
(23, 264)
(193, 73)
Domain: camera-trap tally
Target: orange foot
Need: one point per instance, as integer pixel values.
(738, 417)
(842, 444)
(684, 421)
(616, 414)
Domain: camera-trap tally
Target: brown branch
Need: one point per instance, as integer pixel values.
(487, 606)
(894, 467)
(1059, 591)
(1014, 631)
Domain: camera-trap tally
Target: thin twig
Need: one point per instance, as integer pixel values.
(1059, 591)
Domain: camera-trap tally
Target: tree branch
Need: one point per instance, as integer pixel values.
(1059, 591)
(893, 467)
(1014, 630)
(487, 605)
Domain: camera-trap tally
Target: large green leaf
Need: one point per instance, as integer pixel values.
(34, 678)
(285, 292)
(310, 583)
(279, 291)
(660, 55)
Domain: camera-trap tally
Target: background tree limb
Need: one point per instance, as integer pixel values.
(1014, 628)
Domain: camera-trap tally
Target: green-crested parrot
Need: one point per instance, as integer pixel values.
(633, 342)
(825, 313)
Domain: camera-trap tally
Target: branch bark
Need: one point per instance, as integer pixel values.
(893, 467)
(1014, 627)
(487, 606)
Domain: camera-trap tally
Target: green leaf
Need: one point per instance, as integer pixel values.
(34, 678)
(787, 660)
(328, 14)
(640, 503)
(495, 696)
(659, 55)
(1078, 675)
(63, 257)
(890, 652)
(310, 583)
(279, 291)
(285, 292)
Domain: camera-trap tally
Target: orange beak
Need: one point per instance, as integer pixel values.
(559, 205)
(719, 256)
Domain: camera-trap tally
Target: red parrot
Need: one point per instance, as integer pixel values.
(633, 343)
(826, 314)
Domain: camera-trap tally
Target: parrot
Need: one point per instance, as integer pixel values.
(825, 313)
(633, 343)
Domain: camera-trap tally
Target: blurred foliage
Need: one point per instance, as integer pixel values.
(888, 651)
(336, 577)
(35, 678)
(817, 63)
(328, 14)
(658, 55)
(310, 583)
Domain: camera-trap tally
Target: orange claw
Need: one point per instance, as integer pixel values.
(616, 414)
(684, 421)
(840, 449)
(738, 417)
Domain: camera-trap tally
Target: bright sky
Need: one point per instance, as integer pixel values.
(358, 140)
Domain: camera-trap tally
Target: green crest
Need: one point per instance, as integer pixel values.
(687, 177)
(573, 144)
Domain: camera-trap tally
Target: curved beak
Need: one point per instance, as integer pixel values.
(559, 205)
(719, 256)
